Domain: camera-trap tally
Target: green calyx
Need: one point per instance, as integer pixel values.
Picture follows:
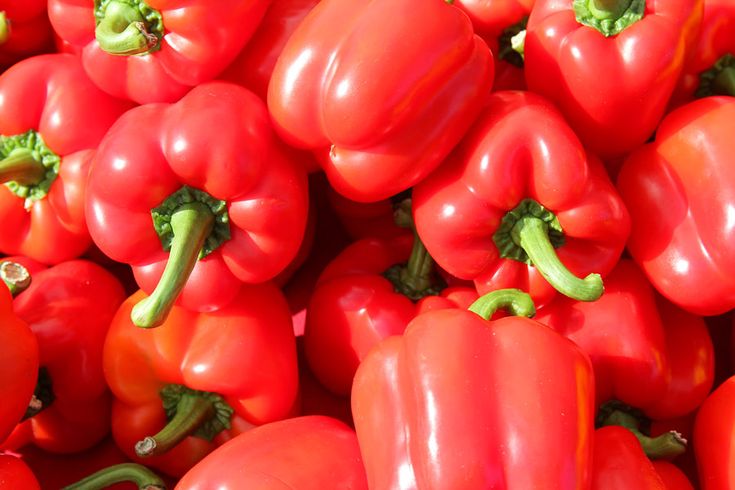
(515, 301)
(4, 27)
(507, 48)
(190, 413)
(718, 80)
(163, 214)
(43, 395)
(27, 166)
(138, 474)
(127, 27)
(529, 233)
(668, 445)
(609, 17)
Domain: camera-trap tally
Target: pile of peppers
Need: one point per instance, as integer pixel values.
(384, 245)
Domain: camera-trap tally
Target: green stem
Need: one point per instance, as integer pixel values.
(144, 478)
(123, 30)
(192, 411)
(609, 17)
(531, 234)
(417, 273)
(515, 301)
(191, 224)
(4, 27)
(608, 9)
(724, 82)
(22, 167)
(667, 445)
(15, 276)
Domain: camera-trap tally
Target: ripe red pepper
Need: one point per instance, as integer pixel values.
(18, 351)
(51, 119)
(713, 430)
(382, 133)
(15, 474)
(448, 404)
(69, 308)
(155, 50)
(224, 193)
(671, 476)
(308, 453)
(610, 65)
(519, 185)
(679, 191)
(212, 375)
(372, 290)
(365, 219)
(646, 352)
(711, 69)
(619, 462)
(24, 31)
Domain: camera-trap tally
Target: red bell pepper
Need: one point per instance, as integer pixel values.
(386, 95)
(619, 462)
(308, 453)
(679, 191)
(711, 69)
(520, 204)
(646, 352)
(448, 404)
(15, 474)
(671, 476)
(212, 375)
(713, 431)
(51, 119)
(610, 65)
(18, 350)
(221, 197)
(24, 31)
(372, 290)
(155, 50)
(69, 308)
(366, 219)
(254, 65)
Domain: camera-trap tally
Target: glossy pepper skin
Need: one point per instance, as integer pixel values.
(52, 117)
(15, 474)
(19, 369)
(244, 353)
(382, 133)
(155, 50)
(24, 31)
(304, 453)
(612, 89)
(447, 405)
(711, 68)
(713, 430)
(519, 149)
(69, 308)
(619, 462)
(671, 476)
(646, 352)
(355, 305)
(678, 190)
(233, 174)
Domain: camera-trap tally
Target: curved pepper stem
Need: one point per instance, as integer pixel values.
(191, 224)
(530, 233)
(15, 276)
(190, 412)
(144, 478)
(122, 30)
(667, 445)
(609, 17)
(22, 167)
(724, 82)
(4, 27)
(515, 301)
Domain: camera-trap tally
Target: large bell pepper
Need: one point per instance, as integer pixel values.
(69, 308)
(619, 462)
(713, 432)
(18, 350)
(24, 31)
(304, 453)
(646, 352)
(15, 474)
(205, 179)
(610, 65)
(52, 117)
(520, 204)
(458, 402)
(386, 95)
(155, 50)
(711, 68)
(679, 191)
(185, 388)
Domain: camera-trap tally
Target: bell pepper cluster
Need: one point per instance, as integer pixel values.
(412, 245)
